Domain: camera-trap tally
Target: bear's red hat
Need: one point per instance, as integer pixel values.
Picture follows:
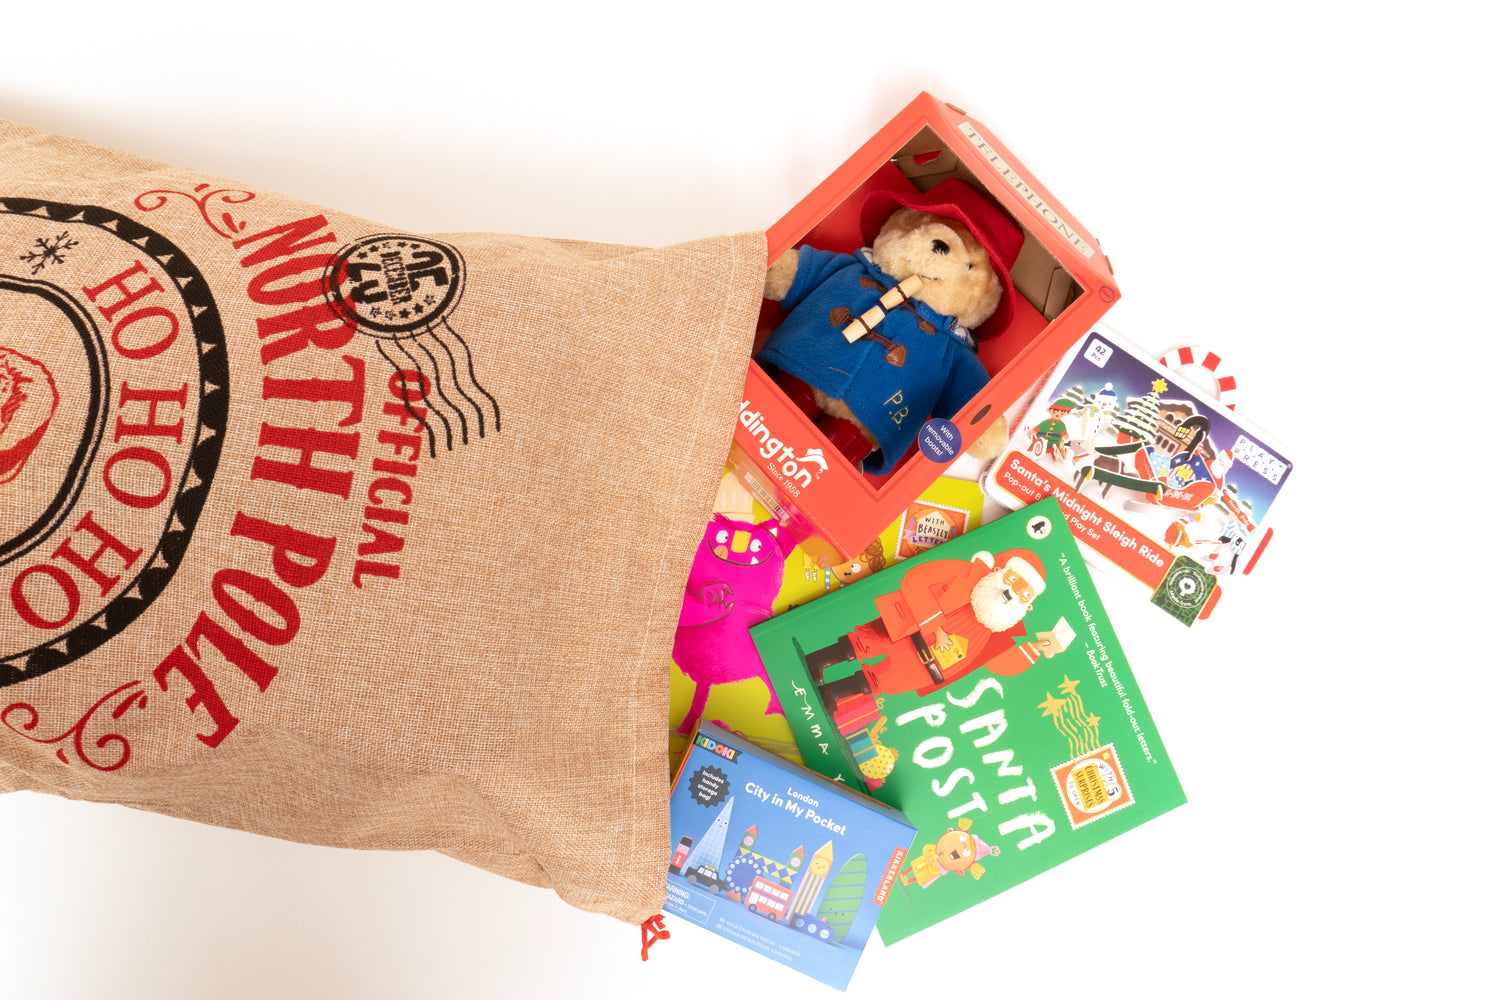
(996, 231)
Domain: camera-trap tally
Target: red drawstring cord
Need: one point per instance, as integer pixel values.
(652, 931)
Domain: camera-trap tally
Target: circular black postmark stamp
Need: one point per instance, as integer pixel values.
(394, 285)
(402, 290)
(114, 396)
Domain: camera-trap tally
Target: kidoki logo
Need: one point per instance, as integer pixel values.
(798, 468)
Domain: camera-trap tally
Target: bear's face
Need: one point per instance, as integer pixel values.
(957, 277)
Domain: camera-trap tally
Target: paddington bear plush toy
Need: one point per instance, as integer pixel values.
(878, 341)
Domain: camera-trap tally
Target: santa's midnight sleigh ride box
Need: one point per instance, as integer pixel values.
(935, 158)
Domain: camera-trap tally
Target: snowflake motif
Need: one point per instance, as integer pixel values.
(48, 252)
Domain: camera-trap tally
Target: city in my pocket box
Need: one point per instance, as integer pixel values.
(1063, 285)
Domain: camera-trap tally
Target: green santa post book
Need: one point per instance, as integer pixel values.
(980, 689)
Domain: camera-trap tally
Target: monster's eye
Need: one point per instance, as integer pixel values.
(755, 545)
(722, 538)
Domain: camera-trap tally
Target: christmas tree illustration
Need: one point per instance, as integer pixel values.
(1141, 413)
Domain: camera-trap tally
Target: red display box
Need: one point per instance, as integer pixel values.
(1063, 285)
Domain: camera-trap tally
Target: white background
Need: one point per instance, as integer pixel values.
(1308, 188)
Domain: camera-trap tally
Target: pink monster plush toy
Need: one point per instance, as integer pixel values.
(734, 579)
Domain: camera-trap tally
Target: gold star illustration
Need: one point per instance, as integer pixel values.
(1092, 720)
(1050, 706)
(1159, 386)
(1067, 686)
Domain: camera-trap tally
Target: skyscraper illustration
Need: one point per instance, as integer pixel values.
(709, 851)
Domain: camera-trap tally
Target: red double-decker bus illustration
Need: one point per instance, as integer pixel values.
(769, 899)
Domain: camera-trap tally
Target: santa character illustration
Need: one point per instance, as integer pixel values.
(28, 398)
(949, 618)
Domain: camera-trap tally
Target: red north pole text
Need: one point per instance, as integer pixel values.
(253, 609)
(258, 606)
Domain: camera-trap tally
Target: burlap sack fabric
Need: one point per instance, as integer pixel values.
(348, 536)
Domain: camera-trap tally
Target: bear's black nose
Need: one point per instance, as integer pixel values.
(939, 247)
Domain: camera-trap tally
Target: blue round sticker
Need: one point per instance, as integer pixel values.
(939, 440)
